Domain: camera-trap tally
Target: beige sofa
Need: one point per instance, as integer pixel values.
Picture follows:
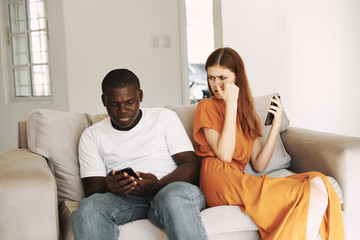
(40, 184)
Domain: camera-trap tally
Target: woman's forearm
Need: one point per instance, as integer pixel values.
(263, 157)
(227, 140)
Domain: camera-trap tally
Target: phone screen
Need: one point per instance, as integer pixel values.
(129, 171)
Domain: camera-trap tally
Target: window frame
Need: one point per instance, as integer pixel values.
(10, 67)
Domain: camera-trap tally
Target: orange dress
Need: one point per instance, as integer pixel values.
(279, 206)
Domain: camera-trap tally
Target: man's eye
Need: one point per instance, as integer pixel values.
(211, 77)
(130, 102)
(222, 78)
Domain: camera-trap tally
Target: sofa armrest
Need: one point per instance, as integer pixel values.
(334, 155)
(28, 197)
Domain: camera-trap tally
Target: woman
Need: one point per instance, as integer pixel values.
(227, 131)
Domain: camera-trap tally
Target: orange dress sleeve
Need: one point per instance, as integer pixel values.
(209, 114)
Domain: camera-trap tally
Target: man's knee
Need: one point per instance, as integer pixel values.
(180, 191)
(88, 207)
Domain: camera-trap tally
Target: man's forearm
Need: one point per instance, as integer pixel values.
(187, 172)
(94, 185)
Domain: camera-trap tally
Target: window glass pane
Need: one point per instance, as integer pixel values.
(28, 50)
(41, 80)
(36, 14)
(21, 82)
(38, 46)
(200, 42)
(17, 17)
(19, 49)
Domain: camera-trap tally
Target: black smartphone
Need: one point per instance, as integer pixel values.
(270, 117)
(129, 171)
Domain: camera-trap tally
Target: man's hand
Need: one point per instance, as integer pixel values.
(149, 184)
(120, 184)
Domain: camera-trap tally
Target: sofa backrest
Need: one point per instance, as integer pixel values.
(55, 135)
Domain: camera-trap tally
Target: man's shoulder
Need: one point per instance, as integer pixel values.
(98, 126)
(157, 112)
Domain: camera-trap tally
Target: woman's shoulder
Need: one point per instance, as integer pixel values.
(204, 101)
(209, 103)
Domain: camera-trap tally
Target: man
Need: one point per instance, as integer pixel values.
(154, 143)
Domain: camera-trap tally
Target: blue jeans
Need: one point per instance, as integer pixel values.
(175, 208)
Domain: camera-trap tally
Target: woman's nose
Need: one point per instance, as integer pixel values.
(219, 83)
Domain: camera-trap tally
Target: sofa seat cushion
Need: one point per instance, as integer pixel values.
(65, 210)
(234, 223)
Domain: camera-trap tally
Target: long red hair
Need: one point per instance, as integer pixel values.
(230, 59)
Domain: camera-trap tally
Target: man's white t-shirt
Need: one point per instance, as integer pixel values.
(147, 147)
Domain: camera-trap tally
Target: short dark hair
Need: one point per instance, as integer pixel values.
(120, 78)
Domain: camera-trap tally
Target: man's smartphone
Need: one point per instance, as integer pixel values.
(129, 171)
(270, 116)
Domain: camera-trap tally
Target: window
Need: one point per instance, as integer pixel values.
(27, 49)
(200, 43)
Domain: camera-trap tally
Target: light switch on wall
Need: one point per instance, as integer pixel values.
(154, 41)
(166, 41)
(280, 24)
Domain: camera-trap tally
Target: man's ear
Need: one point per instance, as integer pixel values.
(103, 99)
(141, 95)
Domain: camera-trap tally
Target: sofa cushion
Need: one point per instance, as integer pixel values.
(55, 135)
(186, 114)
(65, 211)
(280, 158)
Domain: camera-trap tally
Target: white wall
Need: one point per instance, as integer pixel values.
(102, 36)
(308, 51)
(90, 38)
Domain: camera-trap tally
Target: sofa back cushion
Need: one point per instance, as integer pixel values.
(280, 158)
(186, 114)
(55, 135)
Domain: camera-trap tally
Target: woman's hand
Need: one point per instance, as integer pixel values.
(276, 110)
(229, 93)
(261, 155)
